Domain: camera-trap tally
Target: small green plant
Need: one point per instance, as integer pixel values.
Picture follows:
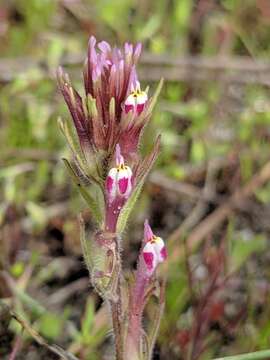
(109, 172)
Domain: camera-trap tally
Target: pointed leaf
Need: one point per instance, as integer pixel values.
(126, 210)
(86, 249)
(66, 128)
(98, 130)
(153, 99)
(91, 202)
(80, 159)
(144, 347)
(88, 320)
(152, 336)
(145, 166)
(105, 270)
(75, 105)
(112, 109)
(101, 260)
(140, 175)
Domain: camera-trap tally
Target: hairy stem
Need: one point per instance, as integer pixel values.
(116, 312)
(135, 314)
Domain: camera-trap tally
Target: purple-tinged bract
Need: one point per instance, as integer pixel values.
(114, 109)
(154, 251)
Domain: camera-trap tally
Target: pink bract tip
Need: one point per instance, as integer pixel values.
(128, 48)
(133, 79)
(137, 51)
(148, 233)
(121, 64)
(104, 47)
(92, 41)
(118, 156)
(96, 73)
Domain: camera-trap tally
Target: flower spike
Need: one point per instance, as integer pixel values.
(109, 119)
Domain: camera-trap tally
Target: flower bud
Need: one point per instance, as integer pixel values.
(154, 250)
(136, 99)
(119, 179)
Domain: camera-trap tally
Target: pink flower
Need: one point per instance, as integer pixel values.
(154, 251)
(113, 110)
(109, 73)
(136, 100)
(119, 179)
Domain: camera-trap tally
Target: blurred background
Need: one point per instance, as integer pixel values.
(208, 195)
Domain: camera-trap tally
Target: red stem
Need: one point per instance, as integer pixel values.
(112, 213)
(17, 345)
(136, 311)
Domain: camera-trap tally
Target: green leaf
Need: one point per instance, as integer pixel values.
(243, 248)
(66, 128)
(101, 262)
(182, 13)
(50, 325)
(198, 153)
(86, 249)
(154, 98)
(126, 210)
(84, 163)
(149, 28)
(30, 303)
(263, 194)
(88, 322)
(264, 354)
(91, 202)
(38, 214)
(17, 269)
(140, 174)
(155, 323)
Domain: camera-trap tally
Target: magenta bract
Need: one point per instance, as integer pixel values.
(154, 251)
(108, 113)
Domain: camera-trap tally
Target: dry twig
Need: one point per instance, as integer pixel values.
(239, 70)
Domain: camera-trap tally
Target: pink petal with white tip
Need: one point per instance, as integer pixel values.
(137, 51)
(109, 184)
(123, 185)
(140, 108)
(128, 108)
(124, 181)
(149, 260)
(149, 256)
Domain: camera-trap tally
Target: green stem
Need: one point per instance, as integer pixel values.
(264, 354)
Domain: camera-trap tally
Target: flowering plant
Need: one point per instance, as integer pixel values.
(109, 172)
